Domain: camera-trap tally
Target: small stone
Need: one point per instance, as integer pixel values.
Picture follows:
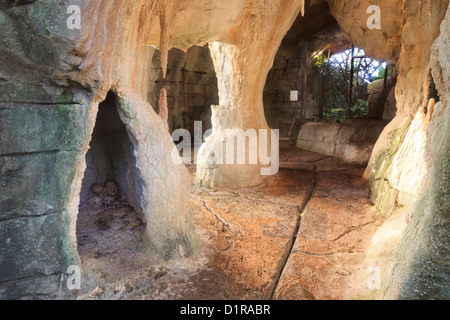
(95, 200)
(97, 291)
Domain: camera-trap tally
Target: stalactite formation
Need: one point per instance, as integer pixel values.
(163, 109)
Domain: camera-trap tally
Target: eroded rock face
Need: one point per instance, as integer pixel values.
(191, 86)
(242, 64)
(403, 163)
(53, 78)
(382, 103)
(419, 29)
(422, 265)
(352, 17)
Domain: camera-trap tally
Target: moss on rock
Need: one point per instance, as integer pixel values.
(422, 259)
(382, 194)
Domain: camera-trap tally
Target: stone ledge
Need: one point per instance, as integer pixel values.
(353, 141)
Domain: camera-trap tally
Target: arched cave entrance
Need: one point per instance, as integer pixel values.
(300, 99)
(191, 85)
(110, 224)
(334, 151)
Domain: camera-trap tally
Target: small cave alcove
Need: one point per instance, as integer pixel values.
(110, 224)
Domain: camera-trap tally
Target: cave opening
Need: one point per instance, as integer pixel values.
(293, 94)
(330, 101)
(191, 85)
(191, 89)
(431, 90)
(324, 94)
(353, 86)
(110, 224)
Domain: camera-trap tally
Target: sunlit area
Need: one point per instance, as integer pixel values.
(347, 77)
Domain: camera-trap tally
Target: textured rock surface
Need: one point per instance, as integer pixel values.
(352, 17)
(382, 103)
(399, 166)
(242, 65)
(52, 79)
(419, 29)
(335, 231)
(191, 86)
(422, 268)
(44, 128)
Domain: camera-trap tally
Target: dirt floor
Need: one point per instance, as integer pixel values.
(298, 235)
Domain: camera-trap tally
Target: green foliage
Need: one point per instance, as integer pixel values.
(335, 115)
(320, 62)
(336, 75)
(333, 96)
(360, 109)
(382, 71)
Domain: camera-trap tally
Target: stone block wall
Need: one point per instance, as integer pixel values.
(191, 85)
(289, 74)
(352, 141)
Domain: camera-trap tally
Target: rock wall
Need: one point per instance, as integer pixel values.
(191, 85)
(242, 64)
(418, 30)
(288, 73)
(422, 264)
(45, 126)
(52, 80)
(382, 103)
(403, 159)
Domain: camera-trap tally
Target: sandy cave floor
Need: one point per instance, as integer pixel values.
(247, 239)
